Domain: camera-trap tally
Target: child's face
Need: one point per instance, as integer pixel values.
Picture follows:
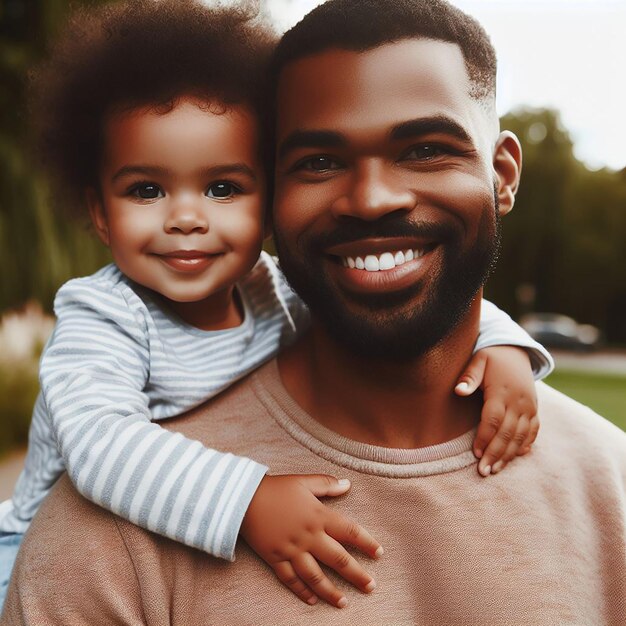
(182, 198)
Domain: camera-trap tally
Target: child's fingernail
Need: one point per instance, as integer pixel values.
(379, 552)
(344, 482)
(497, 467)
(463, 387)
(371, 585)
(485, 471)
(478, 453)
(312, 600)
(343, 602)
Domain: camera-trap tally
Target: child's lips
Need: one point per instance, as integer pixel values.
(187, 260)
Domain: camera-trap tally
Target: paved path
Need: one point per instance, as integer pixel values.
(609, 362)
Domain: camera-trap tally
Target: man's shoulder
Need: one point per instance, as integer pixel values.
(70, 540)
(576, 429)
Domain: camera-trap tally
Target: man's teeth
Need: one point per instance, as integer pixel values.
(381, 262)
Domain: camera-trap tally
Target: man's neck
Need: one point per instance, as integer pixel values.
(396, 405)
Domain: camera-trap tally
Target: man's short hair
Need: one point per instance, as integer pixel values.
(361, 25)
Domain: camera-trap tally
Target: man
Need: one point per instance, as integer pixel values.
(387, 149)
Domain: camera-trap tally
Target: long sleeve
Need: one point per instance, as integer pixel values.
(94, 375)
(497, 329)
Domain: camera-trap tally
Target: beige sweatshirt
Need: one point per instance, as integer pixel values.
(542, 543)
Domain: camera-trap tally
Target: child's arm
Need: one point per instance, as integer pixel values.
(93, 377)
(504, 361)
(93, 374)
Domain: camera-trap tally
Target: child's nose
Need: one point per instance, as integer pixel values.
(186, 217)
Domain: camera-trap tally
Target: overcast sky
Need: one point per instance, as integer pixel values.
(565, 54)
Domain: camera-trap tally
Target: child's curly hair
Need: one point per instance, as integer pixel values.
(138, 53)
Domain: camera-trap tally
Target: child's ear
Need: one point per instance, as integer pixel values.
(98, 216)
(507, 163)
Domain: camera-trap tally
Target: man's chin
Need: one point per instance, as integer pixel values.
(395, 326)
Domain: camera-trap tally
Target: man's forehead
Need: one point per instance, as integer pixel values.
(386, 85)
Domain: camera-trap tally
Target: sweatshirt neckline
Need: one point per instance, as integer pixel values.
(366, 458)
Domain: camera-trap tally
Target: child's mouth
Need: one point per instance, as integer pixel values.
(187, 260)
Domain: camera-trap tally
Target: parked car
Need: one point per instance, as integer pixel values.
(559, 331)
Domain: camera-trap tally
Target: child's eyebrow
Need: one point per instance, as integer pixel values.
(230, 168)
(214, 171)
(133, 170)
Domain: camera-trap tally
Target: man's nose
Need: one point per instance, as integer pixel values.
(186, 215)
(374, 192)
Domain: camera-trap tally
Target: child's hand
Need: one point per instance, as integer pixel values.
(509, 422)
(290, 529)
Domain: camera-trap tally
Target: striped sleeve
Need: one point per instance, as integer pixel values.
(498, 329)
(93, 375)
(298, 311)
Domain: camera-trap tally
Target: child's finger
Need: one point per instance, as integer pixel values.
(333, 554)
(308, 569)
(491, 419)
(498, 444)
(473, 375)
(287, 575)
(324, 485)
(530, 437)
(350, 533)
(521, 432)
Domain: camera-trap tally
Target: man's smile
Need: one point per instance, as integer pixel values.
(382, 264)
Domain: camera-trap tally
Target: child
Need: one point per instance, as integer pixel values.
(150, 111)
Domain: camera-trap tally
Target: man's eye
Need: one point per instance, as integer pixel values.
(221, 190)
(424, 153)
(319, 164)
(147, 191)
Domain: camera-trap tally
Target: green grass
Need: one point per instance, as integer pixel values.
(604, 393)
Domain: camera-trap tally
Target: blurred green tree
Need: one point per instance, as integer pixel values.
(39, 250)
(564, 240)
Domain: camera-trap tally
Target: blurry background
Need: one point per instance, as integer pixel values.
(561, 90)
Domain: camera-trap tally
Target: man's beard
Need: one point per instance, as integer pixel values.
(386, 326)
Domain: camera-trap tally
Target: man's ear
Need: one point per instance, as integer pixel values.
(98, 216)
(507, 163)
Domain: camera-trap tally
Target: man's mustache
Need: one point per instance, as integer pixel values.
(381, 229)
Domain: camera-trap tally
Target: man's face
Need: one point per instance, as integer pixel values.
(385, 213)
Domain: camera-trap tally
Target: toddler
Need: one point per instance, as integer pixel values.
(151, 116)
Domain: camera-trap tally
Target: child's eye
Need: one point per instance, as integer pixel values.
(222, 189)
(147, 191)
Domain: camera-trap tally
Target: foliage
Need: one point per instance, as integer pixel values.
(18, 390)
(39, 250)
(565, 236)
(22, 337)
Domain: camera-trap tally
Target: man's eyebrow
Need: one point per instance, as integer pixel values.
(310, 139)
(430, 125)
